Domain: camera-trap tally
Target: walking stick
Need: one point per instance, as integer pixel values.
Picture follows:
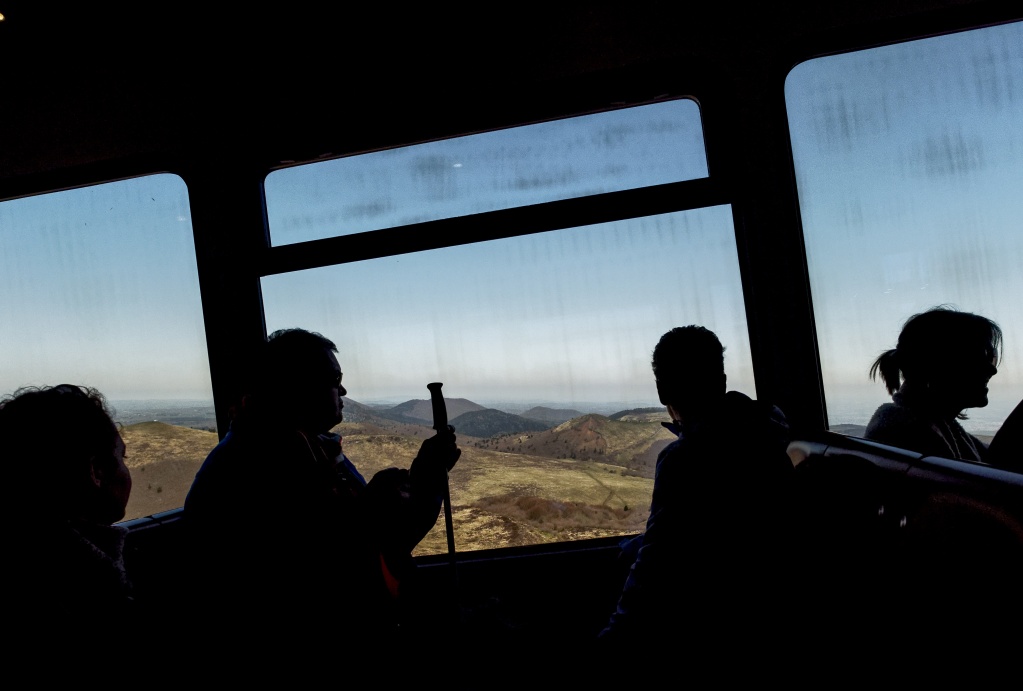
(440, 424)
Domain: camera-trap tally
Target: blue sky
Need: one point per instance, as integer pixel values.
(564, 318)
(909, 164)
(567, 316)
(98, 286)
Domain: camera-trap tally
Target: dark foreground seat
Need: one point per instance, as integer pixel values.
(891, 543)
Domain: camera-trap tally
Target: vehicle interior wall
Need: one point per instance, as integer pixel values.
(884, 534)
(226, 99)
(166, 108)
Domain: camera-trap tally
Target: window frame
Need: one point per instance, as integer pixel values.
(749, 163)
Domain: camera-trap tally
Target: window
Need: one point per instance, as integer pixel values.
(587, 155)
(98, 287)
(542, 340)
(909, 162)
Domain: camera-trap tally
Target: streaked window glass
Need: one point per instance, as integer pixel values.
(98, 287)
(909, 163)
(588, 155)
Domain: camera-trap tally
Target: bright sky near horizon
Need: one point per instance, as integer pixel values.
(565, 317)
(98, 286)
(909, 163)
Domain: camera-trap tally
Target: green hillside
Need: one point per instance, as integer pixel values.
(499, 498)
(503, 498)
(491, 422)
(631, 445)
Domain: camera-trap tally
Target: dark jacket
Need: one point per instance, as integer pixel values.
(708, 554)
(66, 592)
(907, 424)
(285, 537)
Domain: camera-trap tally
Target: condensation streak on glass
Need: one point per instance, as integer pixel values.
(594, 154)
(563, 321)
(909, 163)
(99, 287)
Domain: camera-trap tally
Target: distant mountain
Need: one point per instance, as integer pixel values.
(420, 411)
(551, 416)
(640, 415)
(490, 422)
(358, 412)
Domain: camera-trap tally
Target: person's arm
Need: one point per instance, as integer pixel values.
(401, 506)
(428, 478)
(652, 588)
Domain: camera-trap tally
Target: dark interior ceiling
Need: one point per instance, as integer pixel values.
(92, 83)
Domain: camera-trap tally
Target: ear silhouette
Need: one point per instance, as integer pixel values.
(662, 394)
(96, 476)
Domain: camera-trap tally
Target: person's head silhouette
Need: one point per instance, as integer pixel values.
(298, 382)
(66, 454)
(945, 358)
(689, 369)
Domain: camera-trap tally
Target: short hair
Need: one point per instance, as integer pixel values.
(50, 437)
(289, 358)
(285, 346)
(688, 360)
(930, 340)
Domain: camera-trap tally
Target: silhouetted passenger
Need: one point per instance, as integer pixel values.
(706, 560)
(941, 366)
(292, 546)
(66, 485)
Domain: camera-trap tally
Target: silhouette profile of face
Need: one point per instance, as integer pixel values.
(964, 383)
(323, 392)
(111, 481)
(335, 390)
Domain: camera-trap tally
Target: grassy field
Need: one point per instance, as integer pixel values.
(588, 477)
(163, 460)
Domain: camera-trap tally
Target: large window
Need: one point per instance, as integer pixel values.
(909, 162)
(98, 287)
(542, 341)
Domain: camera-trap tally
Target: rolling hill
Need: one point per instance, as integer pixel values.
(357, 412)
(551, 416)
(641, 415)
(590, 476)
(629, 445)
(163, 460)
(421, 410)
(490, 422)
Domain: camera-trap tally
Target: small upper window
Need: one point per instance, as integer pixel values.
(576, 157)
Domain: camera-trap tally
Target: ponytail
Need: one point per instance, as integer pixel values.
(887, 365)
